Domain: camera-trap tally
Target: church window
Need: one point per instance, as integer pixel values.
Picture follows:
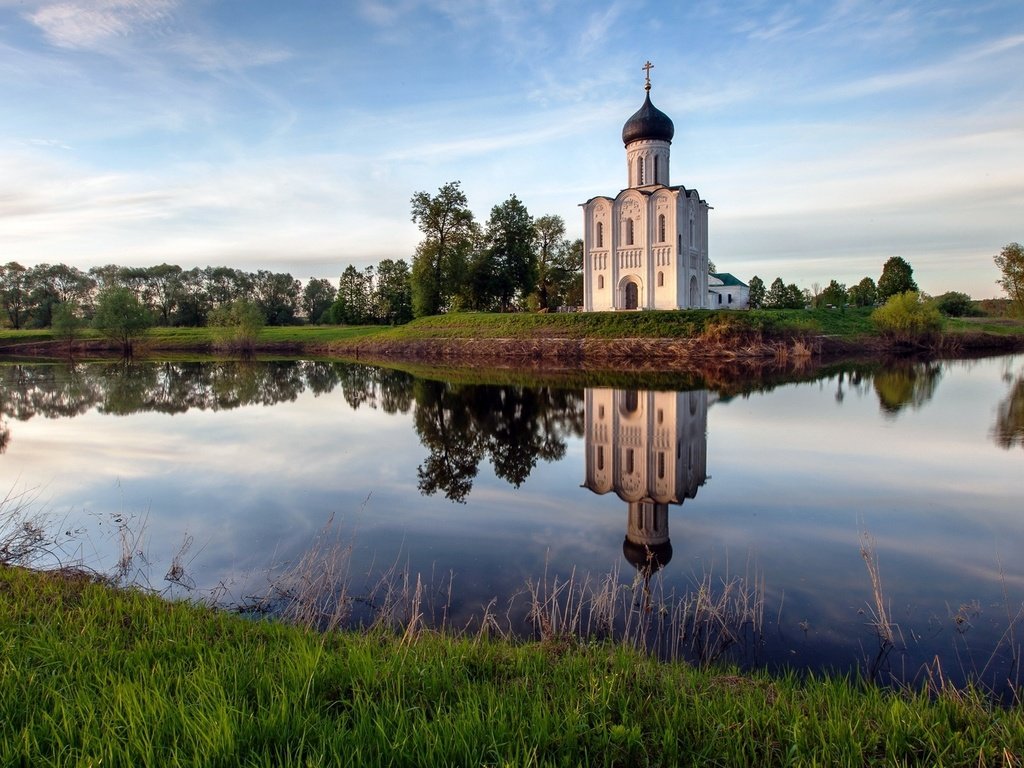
(730, 299)
(661, 465)
(680, 245)
(600, 282)
(655, 164)
(719, 298)
(691, 233)
(661, 416)
(630, 463)
(600, 458)
(639, 171)
(600, 234)
(661, 279)
(631, 404)
(629, 231)
(600, 411)
(661, 227)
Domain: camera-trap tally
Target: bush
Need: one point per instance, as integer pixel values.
(956, 304)
(905, 318)
(239, 324)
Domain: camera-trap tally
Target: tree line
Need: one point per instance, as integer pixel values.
(513, 262)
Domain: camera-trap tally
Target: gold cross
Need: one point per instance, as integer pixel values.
(647, 68)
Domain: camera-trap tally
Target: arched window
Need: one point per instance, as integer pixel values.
(639, 171)
(631, 401)
(661, 279)
(629, 231)
(661, 227)
(600, 282)
(600, 458)
(680, 238)
(654, 163)
(661, 465)
(600, 234)
(630, 462)
(691, 233)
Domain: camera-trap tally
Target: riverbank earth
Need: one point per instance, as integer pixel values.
(655, 341)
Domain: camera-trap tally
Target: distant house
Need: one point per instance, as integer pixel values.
(725, 291)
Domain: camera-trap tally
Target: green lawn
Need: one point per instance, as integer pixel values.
(95, 676)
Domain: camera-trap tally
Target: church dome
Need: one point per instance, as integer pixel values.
(648, 122)
(647, 558)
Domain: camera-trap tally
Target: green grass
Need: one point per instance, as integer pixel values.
(94, 676)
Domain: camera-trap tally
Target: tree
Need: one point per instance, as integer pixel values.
(317, 297)
(14, 293)
(897, 277)
(1011, 263)
(439, 264)
(277, 294)
(393, 294)
(354, 297)
(163, 288)
(507, 268)
(549, 233)
(568, 273)
(66, 324)
(757, 292)
(777, 295)
(906, 319)
(834, 295)
(864, 293)
(121, 317)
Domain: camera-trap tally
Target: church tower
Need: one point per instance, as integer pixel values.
(646, 248)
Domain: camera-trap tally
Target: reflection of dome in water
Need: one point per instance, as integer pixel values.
(643, 557)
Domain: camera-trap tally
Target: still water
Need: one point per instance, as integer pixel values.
(481, 489)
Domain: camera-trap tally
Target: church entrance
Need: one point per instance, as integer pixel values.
(632, 296)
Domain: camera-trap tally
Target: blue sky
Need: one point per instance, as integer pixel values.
(828, 135)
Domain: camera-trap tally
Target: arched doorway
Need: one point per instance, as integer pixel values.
(694, 293)
(632, 295)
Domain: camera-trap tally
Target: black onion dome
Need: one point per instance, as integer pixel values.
(647, 558)
(648, 122)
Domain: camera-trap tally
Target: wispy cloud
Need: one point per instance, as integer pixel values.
(87, 24)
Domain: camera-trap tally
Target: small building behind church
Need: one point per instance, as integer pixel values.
(646, 247)
(726, 291)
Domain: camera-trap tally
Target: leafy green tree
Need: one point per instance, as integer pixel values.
(757, 295)
(67, 324)
(906, 319)
(568, 272)
(509, 240)
(14, 293)
(864, 293)
(193, 306)
(121, 317)
(238, 326)
(955, 304)
(897, 277)
(834, 295)
(549, 233)
(163, 290)
(317, 297)
(449, 231)
(277, 294)
(354, 298)
(1011, 263)
(393, 293)
(778, 296)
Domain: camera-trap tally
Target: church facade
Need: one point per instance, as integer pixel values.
(647, 247)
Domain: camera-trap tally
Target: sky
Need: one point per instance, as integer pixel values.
(827, 135)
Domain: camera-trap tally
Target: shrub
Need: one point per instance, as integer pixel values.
(238, 324)
(905, 318)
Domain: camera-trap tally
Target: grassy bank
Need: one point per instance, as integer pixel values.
(91, 675)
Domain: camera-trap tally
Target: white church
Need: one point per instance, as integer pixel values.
(647, 248)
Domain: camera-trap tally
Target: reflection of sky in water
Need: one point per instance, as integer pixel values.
(792, 476)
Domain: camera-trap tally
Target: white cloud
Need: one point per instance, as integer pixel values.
(88, 24)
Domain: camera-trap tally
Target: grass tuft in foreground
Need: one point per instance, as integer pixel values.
(93, 675)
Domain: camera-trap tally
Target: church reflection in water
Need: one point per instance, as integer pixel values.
(650, 448)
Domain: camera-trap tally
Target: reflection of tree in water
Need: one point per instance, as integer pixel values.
(513, 425)
(55, 391)
(906, 385)
(1009, 427)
